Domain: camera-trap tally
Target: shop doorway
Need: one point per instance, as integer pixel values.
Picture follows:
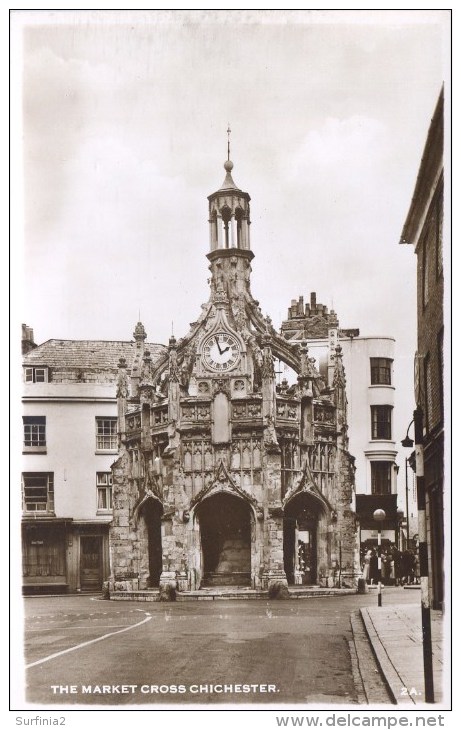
(90, 563)
(225, 534)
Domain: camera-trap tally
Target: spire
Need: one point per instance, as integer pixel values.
(228, 183)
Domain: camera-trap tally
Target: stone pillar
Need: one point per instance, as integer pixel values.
(168, 575)
(194, 558)
(274, 573)
(123, 543)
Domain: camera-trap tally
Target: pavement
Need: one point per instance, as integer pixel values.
(395, 636)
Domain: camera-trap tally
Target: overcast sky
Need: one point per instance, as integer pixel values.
(124, 127)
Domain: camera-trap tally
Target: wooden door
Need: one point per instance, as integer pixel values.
(91, 563)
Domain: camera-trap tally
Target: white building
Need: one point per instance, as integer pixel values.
(69, 444)
(370, 388)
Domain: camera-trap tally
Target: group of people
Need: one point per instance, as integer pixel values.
(397, 567)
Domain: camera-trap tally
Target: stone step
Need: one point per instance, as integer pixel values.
(237, 579)
(231, 593)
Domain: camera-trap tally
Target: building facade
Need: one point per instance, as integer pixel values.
(423, 229)
(225, 477)
(70, 440)
(370, 387)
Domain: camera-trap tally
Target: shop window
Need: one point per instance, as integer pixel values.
(43, 553)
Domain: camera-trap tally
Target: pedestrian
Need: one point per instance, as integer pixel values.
(385, 568)
(398, 567)
(416, 568)
(373, 567)
(392, 569)
(366, 566)
(407, 561)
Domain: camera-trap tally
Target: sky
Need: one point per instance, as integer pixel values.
(121, 135)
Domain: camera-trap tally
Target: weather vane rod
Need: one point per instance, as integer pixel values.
(228, 140)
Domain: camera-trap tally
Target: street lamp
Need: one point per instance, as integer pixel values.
(422, 549)
(379, 515)
(407, 443)
(406, 497)
(400, 516)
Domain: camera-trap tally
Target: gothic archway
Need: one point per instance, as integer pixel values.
(150, 531)
(225, 535)
(300, 539)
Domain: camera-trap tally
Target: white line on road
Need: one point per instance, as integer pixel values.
(87, 643)
(76, 628)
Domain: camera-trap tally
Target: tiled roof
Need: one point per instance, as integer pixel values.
(97, 354)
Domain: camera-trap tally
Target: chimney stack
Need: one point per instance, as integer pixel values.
(27, 339)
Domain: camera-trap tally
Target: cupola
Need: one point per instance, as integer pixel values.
(229, 213)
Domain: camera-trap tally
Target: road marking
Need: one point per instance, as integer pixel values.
(86, 643)
(77, 628)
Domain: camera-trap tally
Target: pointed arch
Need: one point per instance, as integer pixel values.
(224, 484)
(148, 496)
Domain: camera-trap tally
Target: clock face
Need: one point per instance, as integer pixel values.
(221, 351)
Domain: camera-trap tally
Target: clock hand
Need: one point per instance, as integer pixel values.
(225, 350)
(217, 342)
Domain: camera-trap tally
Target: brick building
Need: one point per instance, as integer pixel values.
(423, 229)
(370, 387)
(225, 478)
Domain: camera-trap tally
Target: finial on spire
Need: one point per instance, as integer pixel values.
(228, 140)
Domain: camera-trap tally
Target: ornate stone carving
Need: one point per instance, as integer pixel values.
(270, 436)
(185, 370)
(254, 410)
(304, 482)
(173, 438)
(324, 414)
(173, 367)
(221, 385)
(123, 388)
(223, 482)
(267, 368)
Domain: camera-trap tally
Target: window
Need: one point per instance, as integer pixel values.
(381, 477)
(440, 363)
(106, 434)
(38, 492)
(439, 233)
(380, 370)
(36, 375)
(381, 422)
(34, 432)
(425, 273)
(427, 392)
(104, 490)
